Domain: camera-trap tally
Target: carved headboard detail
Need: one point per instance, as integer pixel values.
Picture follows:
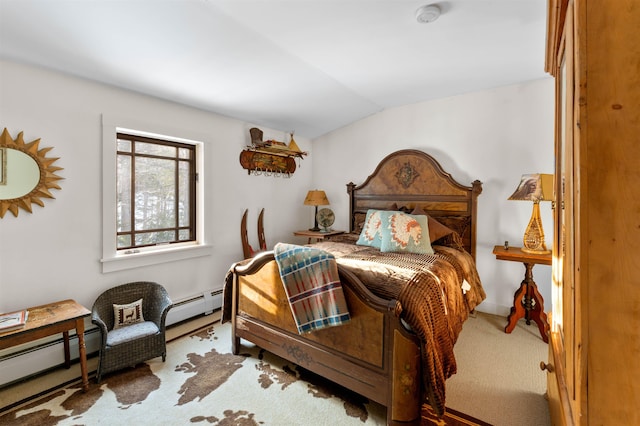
(409, 179)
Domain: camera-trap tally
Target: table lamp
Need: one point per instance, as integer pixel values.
(316, 198)
(534, 187)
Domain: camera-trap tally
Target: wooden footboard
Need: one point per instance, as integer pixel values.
(373, 355)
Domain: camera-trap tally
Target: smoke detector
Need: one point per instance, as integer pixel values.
(427, 13)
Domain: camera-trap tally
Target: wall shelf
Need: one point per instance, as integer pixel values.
(270, 158)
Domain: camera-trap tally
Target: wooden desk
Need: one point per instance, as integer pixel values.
(318, 235)
(53, 318)
(527, 301)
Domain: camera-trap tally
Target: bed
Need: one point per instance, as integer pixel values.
(382, 353)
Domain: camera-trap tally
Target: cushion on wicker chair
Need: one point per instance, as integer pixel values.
(131, 332)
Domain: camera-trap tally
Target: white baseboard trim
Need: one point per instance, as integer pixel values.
(24, 361)
(191, 307)
(27, 360)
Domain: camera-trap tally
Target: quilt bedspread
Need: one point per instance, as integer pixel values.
(434, 294)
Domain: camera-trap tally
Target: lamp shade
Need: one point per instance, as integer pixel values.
(534, 187)
(316, 198)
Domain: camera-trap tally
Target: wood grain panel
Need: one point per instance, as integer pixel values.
(597, 246)
(410, 178)
(263, 298)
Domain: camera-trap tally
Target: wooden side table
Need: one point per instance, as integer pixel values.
(318, 235)
(527, 301)
(53, 318)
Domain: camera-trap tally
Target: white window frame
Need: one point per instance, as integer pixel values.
(117, 260)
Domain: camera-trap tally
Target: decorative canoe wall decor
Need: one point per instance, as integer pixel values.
(258, 163)
(270, 158)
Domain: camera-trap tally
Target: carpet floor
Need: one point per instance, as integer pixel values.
(201, 382)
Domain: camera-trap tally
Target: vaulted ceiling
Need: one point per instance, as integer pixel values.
(306, 65)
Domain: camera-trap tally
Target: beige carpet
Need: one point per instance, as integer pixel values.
(499, 378)
(498, 381)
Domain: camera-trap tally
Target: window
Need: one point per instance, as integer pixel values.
(117, 257)
(155, 192)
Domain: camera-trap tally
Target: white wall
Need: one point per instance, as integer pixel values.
(54, 253)
(494, 136)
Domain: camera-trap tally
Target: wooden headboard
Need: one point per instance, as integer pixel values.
(409, 179)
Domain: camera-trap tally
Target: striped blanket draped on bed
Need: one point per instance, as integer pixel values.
(311, 282)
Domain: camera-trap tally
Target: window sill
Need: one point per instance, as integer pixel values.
(135, 260)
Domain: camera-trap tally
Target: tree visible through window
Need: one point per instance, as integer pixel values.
(156, 192)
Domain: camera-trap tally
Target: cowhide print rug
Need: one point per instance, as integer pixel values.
(202, 382)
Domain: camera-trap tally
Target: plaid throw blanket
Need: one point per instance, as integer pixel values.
(311, 282)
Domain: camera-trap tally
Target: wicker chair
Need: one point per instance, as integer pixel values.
(132, 344)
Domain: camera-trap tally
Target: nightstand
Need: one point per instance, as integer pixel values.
(318, 235)
(527, 301)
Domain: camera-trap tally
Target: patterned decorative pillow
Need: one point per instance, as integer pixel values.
(371, 234)
(436, 229)
(405, 233)
(127, 314)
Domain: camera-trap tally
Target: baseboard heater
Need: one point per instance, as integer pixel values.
(24, 361)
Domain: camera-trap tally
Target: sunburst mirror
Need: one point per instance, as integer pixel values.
(26, 174)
